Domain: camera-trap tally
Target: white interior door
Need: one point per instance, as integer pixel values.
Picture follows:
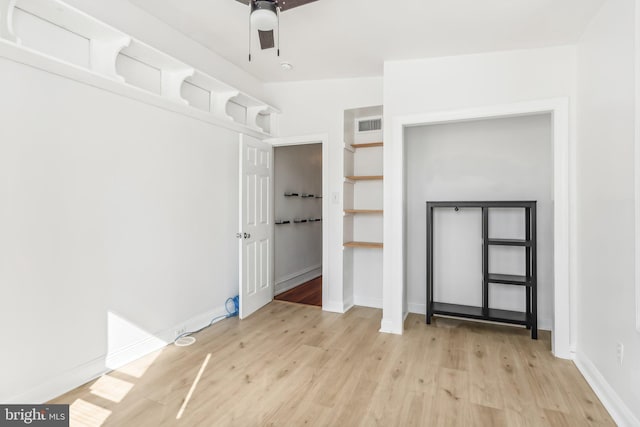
(256, 225)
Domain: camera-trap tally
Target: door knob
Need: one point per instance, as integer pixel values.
(239, 235)
(247, 235)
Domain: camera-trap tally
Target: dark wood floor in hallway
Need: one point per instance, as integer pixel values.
(309, 293)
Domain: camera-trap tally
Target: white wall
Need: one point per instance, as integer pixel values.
(606, 207)
(298, 247)
(318, 107)
(493, 159)
(117, 224)
(456, 83)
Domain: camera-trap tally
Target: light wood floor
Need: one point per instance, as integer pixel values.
(294, 365)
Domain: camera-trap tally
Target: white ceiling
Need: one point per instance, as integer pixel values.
(352, 38)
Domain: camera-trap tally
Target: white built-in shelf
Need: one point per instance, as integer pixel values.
(369, 245)
(173, 72)
(220, 92)
(367, 145)
(363, 211)
(107, 43)
(69, 18)
(364, 177)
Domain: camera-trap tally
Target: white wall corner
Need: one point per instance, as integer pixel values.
(367, 301)
(393, 234)
(417, 308)
(619, 411)
(637, 162)
(390, 327)
(563, 304)
(219, 102)
(6, 20)
(104, 55)
(333, 306)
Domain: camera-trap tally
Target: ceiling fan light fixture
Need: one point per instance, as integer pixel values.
(264, 16)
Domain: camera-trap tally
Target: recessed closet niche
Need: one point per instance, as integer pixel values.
(362, 206)
(490, 159)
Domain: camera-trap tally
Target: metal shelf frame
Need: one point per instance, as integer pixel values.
(528, 318)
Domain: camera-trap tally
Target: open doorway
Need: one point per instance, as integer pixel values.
(298, 213)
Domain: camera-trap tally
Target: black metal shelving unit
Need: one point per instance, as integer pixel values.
(528, 318)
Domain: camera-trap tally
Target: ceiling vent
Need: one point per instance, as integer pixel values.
(369, 124)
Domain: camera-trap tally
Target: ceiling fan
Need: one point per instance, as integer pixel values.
(265, 18)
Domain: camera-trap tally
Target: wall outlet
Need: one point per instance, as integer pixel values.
(179, 331)
(620, 352)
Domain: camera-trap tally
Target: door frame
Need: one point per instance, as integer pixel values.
(319, 138)
(564, 288)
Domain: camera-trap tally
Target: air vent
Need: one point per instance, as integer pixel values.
(369, 125)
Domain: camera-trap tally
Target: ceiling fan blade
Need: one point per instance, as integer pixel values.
(290, 4)
(267, 40)
(245, 2)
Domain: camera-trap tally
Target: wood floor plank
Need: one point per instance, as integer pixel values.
(294, 365)
(482, 416)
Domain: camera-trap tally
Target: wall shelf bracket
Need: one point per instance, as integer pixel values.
(172, 81)
(104, 55)
(219, 101)
(252, 116)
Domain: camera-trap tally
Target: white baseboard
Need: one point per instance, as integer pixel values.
(60, 384)
(292, 280)
(619, 411)
(389, 327)
(93, 369)
(417, 308)
(333, 306)
(136, 350)
(347, 304)
(367, 301)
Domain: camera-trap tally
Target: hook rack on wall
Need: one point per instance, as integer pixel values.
(296, 221)
(301, 195)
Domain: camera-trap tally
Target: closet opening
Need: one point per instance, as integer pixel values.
(397, 229)
(496, 159)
